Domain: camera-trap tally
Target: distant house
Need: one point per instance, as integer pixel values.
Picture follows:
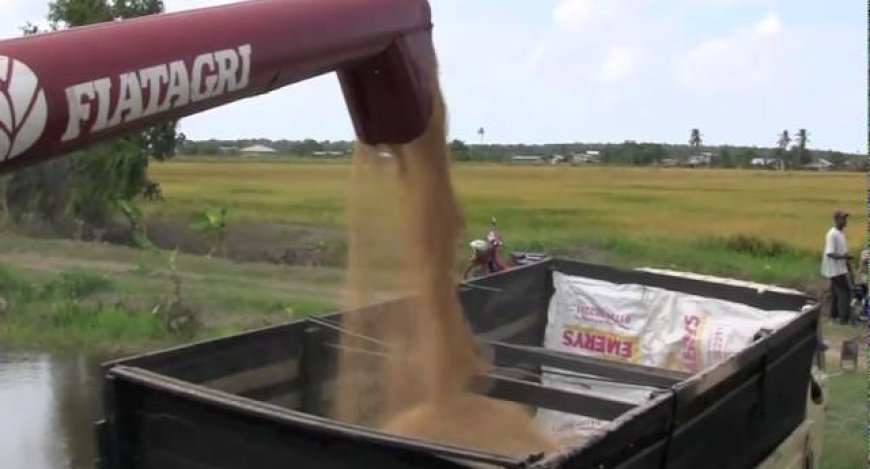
(771, 163)
(589, 156)
(228, 150)
(820, 165)
(670, 162)
(557, 159)
(526, 159)
(257, 150)
(699, 160)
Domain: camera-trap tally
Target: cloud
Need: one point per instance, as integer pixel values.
(571, 14)
(619, 63)
(750, 57)
(179, 5)
(771, 25)
(16, 14)
(595, 42)
(599, 19)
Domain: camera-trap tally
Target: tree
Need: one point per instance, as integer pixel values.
(649, 153)
(726, 160)
(91, 184)
(307, 147)
(104, 176)
(136, 8)
(72, 13)
(803, 156)
(743, 157)
(459, 150)
(782, 148)
(695, 142)
(838, 159)
(784, 140)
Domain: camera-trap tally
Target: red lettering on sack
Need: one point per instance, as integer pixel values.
(612, 345)
(599, 342)
(690, 336)
(626, 349)
(568, 338)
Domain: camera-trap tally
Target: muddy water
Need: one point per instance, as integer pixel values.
(48, 403)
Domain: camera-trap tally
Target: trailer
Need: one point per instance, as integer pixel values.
(261, 399)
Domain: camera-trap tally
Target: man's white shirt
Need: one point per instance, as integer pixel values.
(835, 243)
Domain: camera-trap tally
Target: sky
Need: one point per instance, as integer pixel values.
(549, 71)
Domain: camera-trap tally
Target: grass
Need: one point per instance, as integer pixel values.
(845, 438)
(58, 311)
(698, 219)
(61, 293)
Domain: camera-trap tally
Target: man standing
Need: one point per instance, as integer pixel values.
(835, 266)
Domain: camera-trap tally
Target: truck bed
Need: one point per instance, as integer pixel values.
(260, 399)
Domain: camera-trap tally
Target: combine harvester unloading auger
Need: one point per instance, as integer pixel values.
(261, 399)
(63, 90)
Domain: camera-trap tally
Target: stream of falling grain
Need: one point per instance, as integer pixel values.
(414, 378)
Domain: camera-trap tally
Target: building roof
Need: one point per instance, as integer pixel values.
(821, 163)
(258, 149)
(760, 160)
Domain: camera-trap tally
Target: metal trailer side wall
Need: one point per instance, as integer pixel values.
(751, 401)
(289, 366)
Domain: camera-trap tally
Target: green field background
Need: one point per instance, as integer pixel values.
(665, 217)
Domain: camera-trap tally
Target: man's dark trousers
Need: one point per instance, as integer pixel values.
(840, 298)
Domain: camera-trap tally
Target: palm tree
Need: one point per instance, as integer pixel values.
(695, 142)
(782, 146)
(802, 140)
(481, 132)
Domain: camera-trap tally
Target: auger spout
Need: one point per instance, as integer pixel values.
(64, 90)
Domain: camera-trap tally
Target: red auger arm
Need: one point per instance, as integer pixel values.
(63, 90)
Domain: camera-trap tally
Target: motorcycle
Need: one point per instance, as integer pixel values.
(486, 259)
